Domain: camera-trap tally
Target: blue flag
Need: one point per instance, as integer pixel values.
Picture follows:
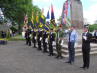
(48, 15)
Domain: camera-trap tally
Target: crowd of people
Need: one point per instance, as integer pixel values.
(45, 40)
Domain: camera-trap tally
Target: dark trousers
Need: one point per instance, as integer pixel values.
(71, 50)
(34, 42)
(39, 45)
(44, 47)
(58, 48)
(50, 48)
(28, 41)
(86, 56)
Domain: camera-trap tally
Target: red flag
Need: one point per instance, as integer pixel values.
(52, 12)
(26, 19)
(66, 8)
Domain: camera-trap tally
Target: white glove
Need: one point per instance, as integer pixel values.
(62, 42)
(30, 35)
(35, 38)
(46, 40)
(84, 37)
(40, 38)
(75, 45)
(53, 43)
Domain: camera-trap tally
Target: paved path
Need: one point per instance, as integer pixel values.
(16, 57)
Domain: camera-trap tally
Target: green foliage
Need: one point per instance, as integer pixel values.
(13, 28)
(17, 38)
(8, 35)
(15, 10)
(92, 27)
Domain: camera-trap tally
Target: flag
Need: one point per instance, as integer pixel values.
(52, 21)
(48, 15)
(32, 19)
(46, 27)
(42, 19)
(40, 25)
(67, 13)
(66, 8)
(26, 19)
(37, 19)
(47, 23)
(52, 13)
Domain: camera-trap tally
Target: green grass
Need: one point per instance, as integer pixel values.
(17, 38)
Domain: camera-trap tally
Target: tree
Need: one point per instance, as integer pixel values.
(15, 10)
(93, 27)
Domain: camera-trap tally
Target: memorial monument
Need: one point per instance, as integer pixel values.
(73, 13)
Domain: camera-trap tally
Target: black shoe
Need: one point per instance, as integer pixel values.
(57, 57)
(39, 49)
(61, 57)
(45, 51)
(71, 63)
(29, 45)
(68, 62)
(34, 47)
(87, 67)
(49, 55)
(52, 54)
(83, 67)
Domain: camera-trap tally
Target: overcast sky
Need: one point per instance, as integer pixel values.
(89, 8)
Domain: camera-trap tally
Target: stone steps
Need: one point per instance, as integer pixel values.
(65, 52)
(78, 50)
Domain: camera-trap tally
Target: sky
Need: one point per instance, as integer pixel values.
(89, 8)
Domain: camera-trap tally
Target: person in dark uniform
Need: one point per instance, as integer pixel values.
(3, 34)
(95, 36)
(45, 41)
(39, 39)
(28, 37)
(51, 42)
(34, 38)
(59, 42)
(86, 39)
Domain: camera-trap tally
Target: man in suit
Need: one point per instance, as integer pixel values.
(86, 39)
(45, 41)
(34, 38)
(51, 42)
(39, 39)
(71, 44)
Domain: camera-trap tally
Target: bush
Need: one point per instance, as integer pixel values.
(14, 29)
(92, 27)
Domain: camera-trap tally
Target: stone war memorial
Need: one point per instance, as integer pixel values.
(72, 14)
